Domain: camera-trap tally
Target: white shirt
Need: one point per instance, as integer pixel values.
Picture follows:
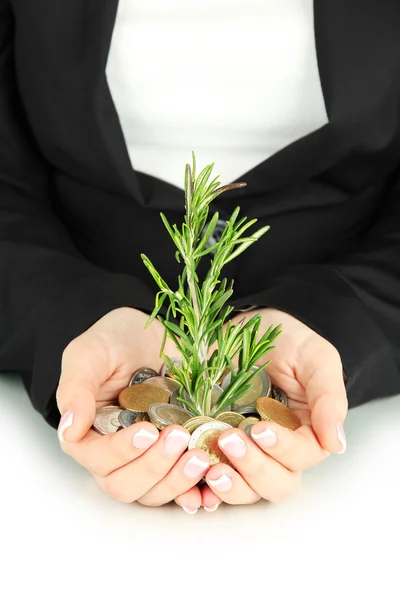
(233, 80)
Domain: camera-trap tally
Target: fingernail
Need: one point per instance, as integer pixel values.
(265, 438)
(195, 467)
(222, 484)
(190, 511)
(65, 422)
(176, 441)
(144, 439)
(341, 437)
(211, 508)
(233, 445)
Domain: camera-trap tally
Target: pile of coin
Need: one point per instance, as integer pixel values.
(155, 398)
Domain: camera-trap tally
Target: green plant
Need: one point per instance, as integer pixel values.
(200, 309)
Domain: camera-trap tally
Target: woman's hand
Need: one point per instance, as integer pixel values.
(308, 368)
(136, 463)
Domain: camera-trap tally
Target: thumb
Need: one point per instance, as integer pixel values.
(327, 398)
(78, 387)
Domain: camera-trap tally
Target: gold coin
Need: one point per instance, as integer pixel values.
(255, 391)
(272, 410)
(162, 415)
(249, 421)
(195, 422)
(232, 418)
(139, 397)
(206, 438)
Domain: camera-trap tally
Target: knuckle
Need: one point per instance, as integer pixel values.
(152, 502)
(121, 452)
(156, 469)
(70, 349)
(285, 491)
(64, 394)
(255, 470)
(118, 492)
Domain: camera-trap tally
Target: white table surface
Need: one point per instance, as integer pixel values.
(338, 537)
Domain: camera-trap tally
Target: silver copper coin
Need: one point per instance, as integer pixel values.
(142, 375)
(162, 415)
(128, 417)
(248, 429)
(197, 435)
(206, 437)
(244, 410)
(106, 419)
(166, 383)
(278, 394)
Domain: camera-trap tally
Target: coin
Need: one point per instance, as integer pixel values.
(166, 383)
(249, 411)
(248, 423)
(195, 422)
(272, 410)
(162, 415)
(278, 394)
(106, 419)
(260, 385)
(128, 417)
(142, 375)
(138, 397)
(206, 437)
(232, 418)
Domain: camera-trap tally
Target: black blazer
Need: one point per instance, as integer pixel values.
(75, 215)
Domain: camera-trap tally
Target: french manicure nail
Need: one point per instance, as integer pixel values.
(190, 511)
(211, 508)
(65, 422)
(195, 467)
(144, 439)
(233, 445)
(341, 437)
(222, 484)
(265, 438)
(176, 441)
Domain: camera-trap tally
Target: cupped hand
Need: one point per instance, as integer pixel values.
(269, 464)
(138, 462)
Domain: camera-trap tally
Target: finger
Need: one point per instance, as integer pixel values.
(190, 501)
(137, 477)
(296, 450)
(83, 371)
(264, 475)
(209, 499)
(327, 398)
(183, 476)
(229, 486)
(103, 454)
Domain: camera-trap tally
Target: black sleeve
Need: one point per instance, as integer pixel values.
(353, 302)
(49, 293)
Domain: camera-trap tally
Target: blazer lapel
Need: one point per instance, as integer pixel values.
(108, 136)
(357, 50)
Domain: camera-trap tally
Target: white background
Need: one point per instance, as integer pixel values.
(338, 537)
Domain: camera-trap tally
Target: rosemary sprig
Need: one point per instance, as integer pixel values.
(200, 309)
